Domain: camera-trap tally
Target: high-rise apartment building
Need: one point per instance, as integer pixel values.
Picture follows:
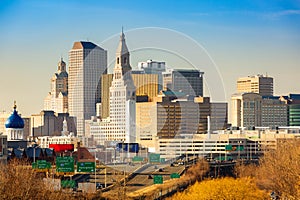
(57, 98)
(260, 84)
(87, 62)
(187, 81)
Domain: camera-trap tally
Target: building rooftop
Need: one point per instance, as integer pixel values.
(84, 45)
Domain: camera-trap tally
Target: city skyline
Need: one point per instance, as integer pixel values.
(242, 38)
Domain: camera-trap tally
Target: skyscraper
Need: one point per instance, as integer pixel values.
(57, 98)
(187, 81)
(120, 125)
(87, 62)
(122, 97)
(260, 84)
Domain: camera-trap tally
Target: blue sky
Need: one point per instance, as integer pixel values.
(242, 37)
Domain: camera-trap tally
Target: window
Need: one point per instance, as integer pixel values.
(118, 60)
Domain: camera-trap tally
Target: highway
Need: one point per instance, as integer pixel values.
(142, 178)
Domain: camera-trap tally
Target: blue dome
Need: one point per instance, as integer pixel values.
(14, 121)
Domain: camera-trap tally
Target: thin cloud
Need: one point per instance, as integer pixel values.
(282, 13)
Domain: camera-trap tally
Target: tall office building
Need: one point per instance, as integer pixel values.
(246, 109)
(251, 109)
(187, 81)
(87, 62)
(120, 125)
(57, 98)
(274, 112)
(122, 97)
(260, 84)
(182, 117)
(154, 67)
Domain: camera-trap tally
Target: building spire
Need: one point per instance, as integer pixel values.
(122, 49)
(122, 54)
(15, 105)
(61, 65)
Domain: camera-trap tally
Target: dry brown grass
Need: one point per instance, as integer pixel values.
(19, 181)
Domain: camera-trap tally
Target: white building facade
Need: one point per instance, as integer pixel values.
(120, 125)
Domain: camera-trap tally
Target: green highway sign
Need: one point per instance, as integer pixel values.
(64, 164)
(154, 158)
(175, 175)
(68, 184)
(86, 167)
(158, 179)
(137, 159)
(41, 165)
(229, 147)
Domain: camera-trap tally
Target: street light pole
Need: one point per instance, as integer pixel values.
(95, 171)
(34, 154)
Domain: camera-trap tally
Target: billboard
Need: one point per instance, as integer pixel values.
(62, 147)
(128, 147)
(64, 164)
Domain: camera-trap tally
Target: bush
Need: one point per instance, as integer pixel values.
(225, 188)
